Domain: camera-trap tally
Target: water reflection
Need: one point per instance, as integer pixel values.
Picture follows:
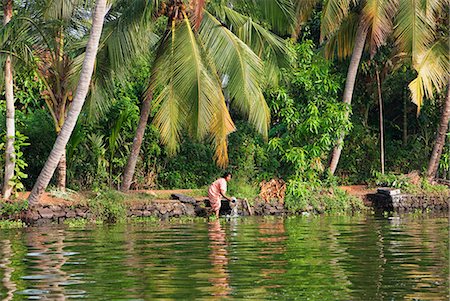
(6, 265)
(316, 258)
(219, 260)
(46, 258)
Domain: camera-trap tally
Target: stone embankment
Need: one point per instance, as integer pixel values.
(394, 200)
(183, 205)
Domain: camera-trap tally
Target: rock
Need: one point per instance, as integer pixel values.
(70, 213)
(177, 211)
(388, 191)
(188, 209)
(46, 212)
(163, 209)
(80, 212)
(184, 198)
(32, 215)
(136, 213)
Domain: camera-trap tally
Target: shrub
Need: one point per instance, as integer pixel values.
(108, 206)
(317, 197)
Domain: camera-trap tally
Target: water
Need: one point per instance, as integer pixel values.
(302, 258)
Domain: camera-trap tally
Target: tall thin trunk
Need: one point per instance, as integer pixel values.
(61, 172)
(10, 126)
(358, 49)
(405, 119)
(137, 143)
(433, 165)
(380, 102)
(77, 104)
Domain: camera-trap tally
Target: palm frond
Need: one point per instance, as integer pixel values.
(333, 14)
(268, 46)
(198, 7)
(243, 68)
(279, 13)
(127, 35)
(192, 97)
(414, 31)
(433, 69)
(378, 15)
(61, 9)
(303, 10)
(342, 41)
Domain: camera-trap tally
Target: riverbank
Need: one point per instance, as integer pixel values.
(112, 206)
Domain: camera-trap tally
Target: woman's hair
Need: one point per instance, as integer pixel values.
(226, 174)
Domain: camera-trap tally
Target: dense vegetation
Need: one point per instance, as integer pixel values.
(295, 75)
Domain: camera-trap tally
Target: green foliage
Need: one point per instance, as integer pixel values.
(81, 222)
(75, 222)
(12, 224)
(307, 114)
(318, 197)
(108, 206)
(38, 126)
(240, 188)
(8, 208)
(20, 164)
(405, 183)
(392, 180)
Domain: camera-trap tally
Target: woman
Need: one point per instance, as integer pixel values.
(217, 191)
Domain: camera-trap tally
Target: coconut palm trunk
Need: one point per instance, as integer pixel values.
(77, 104)
(62, 172)
(380, 103)
(137, 143)
(440, 138)
(360, 40)
(10, 126)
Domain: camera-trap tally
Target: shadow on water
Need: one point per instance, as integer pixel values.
(299, 258)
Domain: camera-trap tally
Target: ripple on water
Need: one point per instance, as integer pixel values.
(314, 258)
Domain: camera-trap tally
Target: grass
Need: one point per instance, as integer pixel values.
(12, 224)
(65, 195)
(12, 208)
(108, 206)
(318, 198)
(81, 222)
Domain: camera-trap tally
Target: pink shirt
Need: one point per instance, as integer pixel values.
(216, 190)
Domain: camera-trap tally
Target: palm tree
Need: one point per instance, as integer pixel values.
(77, 103)
(55, 34)
(346, 27)
(373, 21)
(50, 24)
(440, 138)
(10, 123)
(422, 33)
(204, 41)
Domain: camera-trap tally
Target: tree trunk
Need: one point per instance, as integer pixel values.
(61, 172)
(77, 104)
(358, 49)
(380, 102)
(10, 126)
(137, 142)
(405, 120)
(433, 165)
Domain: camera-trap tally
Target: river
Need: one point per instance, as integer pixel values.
(298, 258)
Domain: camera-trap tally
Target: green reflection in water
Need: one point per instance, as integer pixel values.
(301, 258)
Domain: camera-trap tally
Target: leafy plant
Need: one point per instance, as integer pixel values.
(8, 208)
(319, 198)
(108, 206)
(308, 117)
(392, 180)
(20, 164)
(12, 224)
